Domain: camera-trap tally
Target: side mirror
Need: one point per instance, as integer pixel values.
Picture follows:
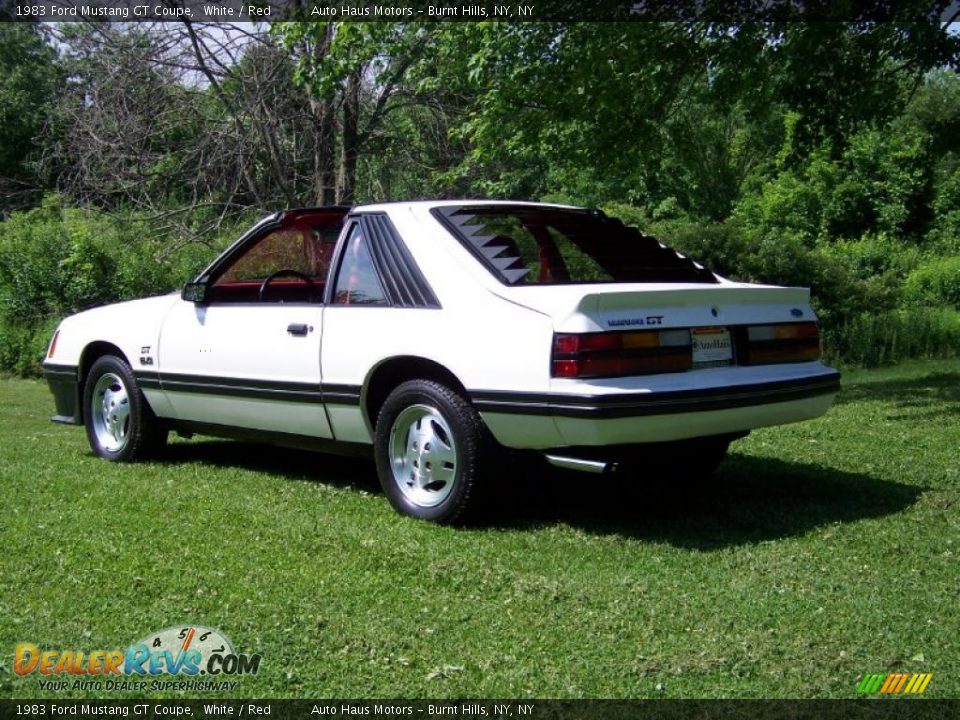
(194, 292)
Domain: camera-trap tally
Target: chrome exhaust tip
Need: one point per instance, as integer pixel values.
(596, 467)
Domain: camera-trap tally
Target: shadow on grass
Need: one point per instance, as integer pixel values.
(748, 500)
(357, 473)
(934, 395)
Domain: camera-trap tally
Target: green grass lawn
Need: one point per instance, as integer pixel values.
(821, 551)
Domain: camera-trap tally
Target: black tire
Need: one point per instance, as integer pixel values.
(424, 428)
(703, 457)
(133, 432)
(679, 463)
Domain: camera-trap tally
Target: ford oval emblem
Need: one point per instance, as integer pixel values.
(797, 312)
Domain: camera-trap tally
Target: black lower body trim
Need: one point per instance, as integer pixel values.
(64, 383)
(340, 394)
(269, 437)
(244, 391)
(250, 388)
(622, 405)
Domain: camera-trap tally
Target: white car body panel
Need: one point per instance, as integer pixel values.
(244, 341)
(130, 326)
(235, 365)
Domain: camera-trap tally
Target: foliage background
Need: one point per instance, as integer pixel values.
(818, 154)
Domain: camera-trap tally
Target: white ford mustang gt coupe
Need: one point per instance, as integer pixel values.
(446, 335)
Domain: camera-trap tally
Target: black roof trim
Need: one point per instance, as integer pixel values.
(346, 209)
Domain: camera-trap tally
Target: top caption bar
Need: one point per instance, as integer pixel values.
(731, 11)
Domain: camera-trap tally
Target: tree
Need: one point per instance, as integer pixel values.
(187, 125)
(357, 75)
(29, 80)
(592, 110)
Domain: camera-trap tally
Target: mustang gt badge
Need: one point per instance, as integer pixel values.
(636, 322)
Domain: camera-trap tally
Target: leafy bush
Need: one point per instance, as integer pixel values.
(55, 261)
(868, 273)
(787, 204)
(874, 339)
(935, 282)
(945, 234)
(23, 346)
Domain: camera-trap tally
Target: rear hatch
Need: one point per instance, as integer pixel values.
(621, 306)
(621, 302)
(624, 329)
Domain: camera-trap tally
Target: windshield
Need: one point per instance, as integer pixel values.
(530, 245)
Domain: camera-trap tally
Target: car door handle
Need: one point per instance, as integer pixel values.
(299, 329)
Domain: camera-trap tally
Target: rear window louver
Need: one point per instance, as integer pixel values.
(504, 259)
(625, 253)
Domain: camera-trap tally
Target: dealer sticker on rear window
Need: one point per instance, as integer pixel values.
(712, 346)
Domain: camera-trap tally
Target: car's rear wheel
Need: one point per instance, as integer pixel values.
(702, 457)
(121, 427)
(687, 462)
(431, 449)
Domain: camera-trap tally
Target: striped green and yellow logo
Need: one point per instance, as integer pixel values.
(894, 683)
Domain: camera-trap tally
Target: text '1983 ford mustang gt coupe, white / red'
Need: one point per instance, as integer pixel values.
(446, 336)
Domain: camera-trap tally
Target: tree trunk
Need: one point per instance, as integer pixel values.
(324, 160)
(349, 145)
(324, 173)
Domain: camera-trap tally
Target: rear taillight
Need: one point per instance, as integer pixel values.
(791, 342)
(592, 355)
(53, 344)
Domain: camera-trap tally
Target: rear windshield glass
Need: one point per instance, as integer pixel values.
(526, 245)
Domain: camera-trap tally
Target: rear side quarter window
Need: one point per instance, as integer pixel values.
(357, 281)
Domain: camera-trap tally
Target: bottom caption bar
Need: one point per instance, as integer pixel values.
(488, 709)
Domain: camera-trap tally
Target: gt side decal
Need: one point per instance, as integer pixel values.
(250, 388)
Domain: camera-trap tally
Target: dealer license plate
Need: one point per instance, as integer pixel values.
(712, 346)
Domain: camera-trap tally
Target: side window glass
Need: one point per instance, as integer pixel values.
(357, 282)
(279, 250)
(303, 252)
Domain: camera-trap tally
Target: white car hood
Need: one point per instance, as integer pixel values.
(143, 310)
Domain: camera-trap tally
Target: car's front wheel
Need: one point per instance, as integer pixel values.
(431, 450)
(121, 427)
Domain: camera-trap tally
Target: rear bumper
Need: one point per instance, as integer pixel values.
(526, 420)
(622, 405)
(64, 383)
